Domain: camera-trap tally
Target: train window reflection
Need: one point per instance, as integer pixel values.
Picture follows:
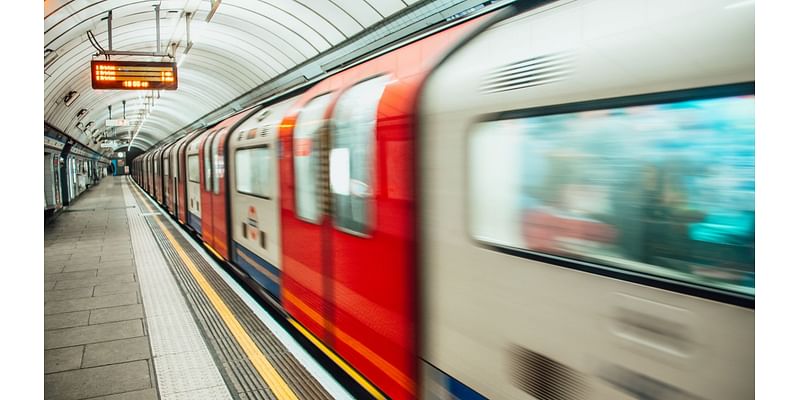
(664, 189)
(306, 149)
(252, 171)
(353, 143)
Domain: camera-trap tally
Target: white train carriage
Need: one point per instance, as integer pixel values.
(253, 156)
(195, 213)
(587, 205)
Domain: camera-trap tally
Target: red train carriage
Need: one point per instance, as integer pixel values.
(213, 187)
(348, 215)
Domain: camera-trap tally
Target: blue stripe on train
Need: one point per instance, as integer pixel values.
(461, 391)
(266, 274)
(440, 382)
(194, 222)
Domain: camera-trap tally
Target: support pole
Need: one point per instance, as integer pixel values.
(188, 33)
(110, 47)
(158, 28)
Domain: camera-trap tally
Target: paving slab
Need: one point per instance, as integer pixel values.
(94, 281)
(116, 351)
(90, 303)
(117, 264)
(113, 314)
(92, 334)
(54, 269)
(81, 267)
(64, 359)
(68, 294)
(146, 394)
(116, 257)
(70, 276)
(97, 381)
(115, 271)
(66, 320)
(57, 258)
(112, 288)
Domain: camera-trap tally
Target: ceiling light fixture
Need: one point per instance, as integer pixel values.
(70, 97)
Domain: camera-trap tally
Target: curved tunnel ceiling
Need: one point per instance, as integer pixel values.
(246, 43)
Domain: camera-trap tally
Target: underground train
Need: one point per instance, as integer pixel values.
(68, 171)
(551, 201)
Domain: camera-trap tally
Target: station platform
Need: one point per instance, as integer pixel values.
(136, 309)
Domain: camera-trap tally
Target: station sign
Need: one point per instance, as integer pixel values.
(108, 144)
(134, 75)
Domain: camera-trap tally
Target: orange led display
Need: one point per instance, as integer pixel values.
(134, 75)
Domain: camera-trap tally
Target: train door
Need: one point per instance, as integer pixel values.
(154, 160)
(159, 176)
(173, 163)
(303, 285)
(166, 180)
(193, 179)
(219, 195)
(206, 186)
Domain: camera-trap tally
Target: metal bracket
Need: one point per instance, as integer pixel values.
(157, 53)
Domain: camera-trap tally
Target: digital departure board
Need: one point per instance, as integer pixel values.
(134, 75)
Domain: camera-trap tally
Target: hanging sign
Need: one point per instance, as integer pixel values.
(134, 75)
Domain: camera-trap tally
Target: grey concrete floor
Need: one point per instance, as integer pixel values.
(95, 342)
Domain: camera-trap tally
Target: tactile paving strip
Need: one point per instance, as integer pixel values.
(183, 363)
(239, 372)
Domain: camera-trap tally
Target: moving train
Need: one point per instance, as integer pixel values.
(550, 200)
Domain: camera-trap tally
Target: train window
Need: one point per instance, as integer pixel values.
(219, 163)
(253, 167)
(306, 163)
(193, 168)
(352, 154)
(166, 167)
(662, 189)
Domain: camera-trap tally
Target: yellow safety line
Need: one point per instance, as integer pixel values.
(343, 365)
(265, 369)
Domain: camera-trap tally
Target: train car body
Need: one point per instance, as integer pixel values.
(542, 254)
